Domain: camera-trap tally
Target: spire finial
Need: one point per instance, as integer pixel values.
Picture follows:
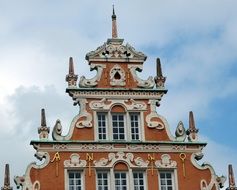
(231, 178)
(43, 118)
(71, 66)
(158, 68)
(43, 130)
(192, 131)
(114, 25)
(71, 78)
(7, 179)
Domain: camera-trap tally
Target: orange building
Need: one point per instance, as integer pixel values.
(118, 141)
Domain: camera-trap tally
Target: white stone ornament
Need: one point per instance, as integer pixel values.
(165, 162)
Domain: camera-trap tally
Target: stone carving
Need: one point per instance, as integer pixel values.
(71, 78)
(88, 83)
(106, 104)
(159, 79)
(153, 114)
(25, 180)
(165, 162)
(121, 157)
(117, 76)
(84, 117)
(74, 161)
(57, 131)
(114, 49)
(216, 181)
(149, 83)
(36, 185)
(43, 130)
(180, 132)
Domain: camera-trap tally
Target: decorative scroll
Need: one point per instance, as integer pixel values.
(153, 114)
(216, 181)
(121, 156)
(149, 83)
(88, 83)
(25, 180)
(106, 104)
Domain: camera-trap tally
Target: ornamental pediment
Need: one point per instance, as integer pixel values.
(114, 50)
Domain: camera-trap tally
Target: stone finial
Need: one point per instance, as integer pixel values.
(192, 131)
(180, 133)
(114, 25)
(71, 78)
(43, 130)
(7, 179)
(159, 79)
(231, 177)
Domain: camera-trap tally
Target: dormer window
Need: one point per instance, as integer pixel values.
(117, 124)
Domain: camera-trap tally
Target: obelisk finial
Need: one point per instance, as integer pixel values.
(114, 25)
(7, 179)
(231, 177)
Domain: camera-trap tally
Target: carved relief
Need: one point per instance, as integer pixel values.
(36, 185)
(114, 49)
(88, 83)
(74, 161)
(84, 118)
(180, 132)
(106, 104)
(117, 76)
(151, 123)
(166, 162)
(149, 83)
(121, 156)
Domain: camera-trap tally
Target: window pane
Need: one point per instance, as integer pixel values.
(102, 180)
(102, 128)
(74, 179)
(118, 126)
(138, 179)
(166, 180)
(120, 180)
(134, 119)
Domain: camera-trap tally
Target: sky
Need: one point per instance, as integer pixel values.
(195, 40)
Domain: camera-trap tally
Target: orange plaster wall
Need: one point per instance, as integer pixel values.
(49, 181)
(105, 78)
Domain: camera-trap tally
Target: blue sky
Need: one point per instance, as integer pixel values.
(196, 41)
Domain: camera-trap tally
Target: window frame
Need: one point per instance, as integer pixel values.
(108, 178)
(67, 182)
(127, 125)
(106, 126)
(173, 179)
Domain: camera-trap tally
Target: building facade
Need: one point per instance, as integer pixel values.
(118, 141)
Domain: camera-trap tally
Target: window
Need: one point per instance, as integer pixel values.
(102, 127)
(118, 126)
(167, 180)
(138, 180)
(134, 119)
(102, 181)
(120, 179)
(75, 182)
